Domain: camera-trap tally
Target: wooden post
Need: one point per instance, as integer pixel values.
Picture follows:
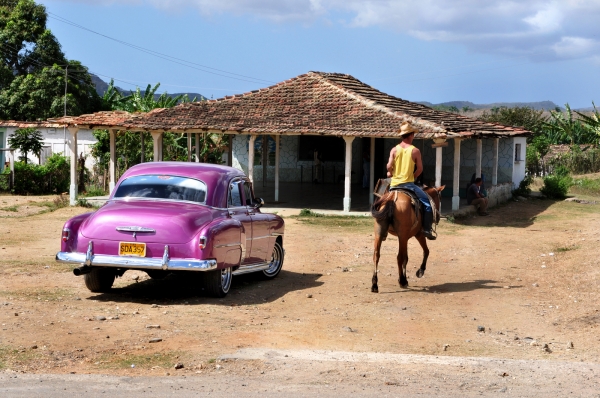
(371, 171)
(197, 147)
(456, 187)
(142, 147)
(189, 146)
(230, 151)
(478, 158)
(495, 161)
(348, 174)
(251, 158)
(277, 137)
(265, 158)
(111, 163)
(73, 146)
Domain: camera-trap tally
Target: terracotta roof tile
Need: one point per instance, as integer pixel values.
(313, 103)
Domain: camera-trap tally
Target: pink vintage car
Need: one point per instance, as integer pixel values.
(166, 217)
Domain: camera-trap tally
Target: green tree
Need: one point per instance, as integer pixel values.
(26, 140)
(524, 117)
(592, 121)
(565, 128)
(32, 68)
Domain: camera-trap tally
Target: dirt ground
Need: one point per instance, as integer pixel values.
(522, 284)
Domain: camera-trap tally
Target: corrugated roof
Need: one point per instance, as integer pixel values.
(315, 103)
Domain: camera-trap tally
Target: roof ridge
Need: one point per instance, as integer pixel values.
(375, 104)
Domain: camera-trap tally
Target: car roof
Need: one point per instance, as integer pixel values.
(215, 176)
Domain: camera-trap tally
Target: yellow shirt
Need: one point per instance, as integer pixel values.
(404, 166)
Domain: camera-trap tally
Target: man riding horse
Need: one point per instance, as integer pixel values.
(404, 166)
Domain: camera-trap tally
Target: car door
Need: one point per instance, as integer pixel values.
(239, 211)
(261, 229)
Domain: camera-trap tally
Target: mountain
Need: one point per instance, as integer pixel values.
(102, 86)
(541, 105)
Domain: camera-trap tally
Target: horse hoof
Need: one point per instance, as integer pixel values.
(405, 286)
(420, 273)
(374, 289)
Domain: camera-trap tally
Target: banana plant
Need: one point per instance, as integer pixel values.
(593, 121)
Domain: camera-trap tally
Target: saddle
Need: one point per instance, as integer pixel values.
(383, 186)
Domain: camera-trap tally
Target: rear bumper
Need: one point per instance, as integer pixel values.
(143, 263)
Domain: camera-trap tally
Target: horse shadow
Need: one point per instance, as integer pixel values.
(521, 214)
(181, 289)
(454, 287)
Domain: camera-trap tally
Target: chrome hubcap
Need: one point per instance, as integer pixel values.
(225, 279)
(275, 263)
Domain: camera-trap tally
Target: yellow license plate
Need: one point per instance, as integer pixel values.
(132, 249)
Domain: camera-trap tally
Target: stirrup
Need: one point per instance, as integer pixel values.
(429, 234)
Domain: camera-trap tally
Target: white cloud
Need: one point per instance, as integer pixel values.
(540, 29)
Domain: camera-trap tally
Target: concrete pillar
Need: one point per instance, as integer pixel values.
(113, 160)
(348, 174)
(230, 151)
(73, 147)
(142, 147)
(251, 158)
(277, 138)
(495, 161)
(189, 146)
(157, 139)
(478, 158)
(456, 187)
(438, 166)
(197, 147)
(372, 170)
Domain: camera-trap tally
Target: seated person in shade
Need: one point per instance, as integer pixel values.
(475, 198)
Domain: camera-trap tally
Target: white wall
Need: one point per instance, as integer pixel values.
(519, 165)
(53, 141)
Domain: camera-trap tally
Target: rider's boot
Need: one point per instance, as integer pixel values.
(427, 221)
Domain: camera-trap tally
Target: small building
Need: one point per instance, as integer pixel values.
(338, 117)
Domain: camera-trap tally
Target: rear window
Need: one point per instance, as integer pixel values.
(162, 187)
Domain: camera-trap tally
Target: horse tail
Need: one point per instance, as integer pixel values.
(387, 211)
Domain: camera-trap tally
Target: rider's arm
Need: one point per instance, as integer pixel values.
(416, 155)
(390, 164)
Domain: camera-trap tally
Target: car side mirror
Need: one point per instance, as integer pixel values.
(259, 202)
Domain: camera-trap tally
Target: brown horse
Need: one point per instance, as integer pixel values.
(395, 214)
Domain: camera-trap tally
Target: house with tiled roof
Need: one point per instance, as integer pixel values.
(340, 118)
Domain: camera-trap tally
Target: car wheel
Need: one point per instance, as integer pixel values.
(276, 262)
(218, 282)
(99, 279)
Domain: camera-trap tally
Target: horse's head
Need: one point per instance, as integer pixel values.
(436, 195)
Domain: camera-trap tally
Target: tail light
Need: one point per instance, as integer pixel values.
(66, 233)
(202, 242)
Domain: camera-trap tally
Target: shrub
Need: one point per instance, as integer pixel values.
(524, 187)
(556, 187)
(33, 179)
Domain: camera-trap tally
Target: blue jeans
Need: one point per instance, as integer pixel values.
(419, 192)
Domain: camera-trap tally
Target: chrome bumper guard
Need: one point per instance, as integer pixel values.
(145, 263)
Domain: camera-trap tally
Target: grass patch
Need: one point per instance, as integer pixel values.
(309, 213)
(143, 361)
(39, 294)
(10, 208)
(565, 249)
(336, 221)
(586, 185)
(12, 356)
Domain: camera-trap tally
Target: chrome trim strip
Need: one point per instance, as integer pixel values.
(101, 260)
(251, 268)
(227, 245)
(166, 200)
(261, 237)
(135, 228)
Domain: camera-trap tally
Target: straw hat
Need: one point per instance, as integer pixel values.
(406, 128)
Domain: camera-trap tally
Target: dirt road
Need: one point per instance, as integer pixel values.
(522, 284)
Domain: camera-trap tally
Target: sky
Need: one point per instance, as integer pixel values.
(427, 50)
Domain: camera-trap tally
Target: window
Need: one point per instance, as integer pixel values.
(162, 187)
(332, 149)
(248, 193)
(518, 156)
(234, 199)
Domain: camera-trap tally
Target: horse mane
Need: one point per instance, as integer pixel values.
(387, 211)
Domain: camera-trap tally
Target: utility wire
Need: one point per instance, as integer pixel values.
(166, 57)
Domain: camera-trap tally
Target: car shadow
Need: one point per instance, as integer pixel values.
(180, 289)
